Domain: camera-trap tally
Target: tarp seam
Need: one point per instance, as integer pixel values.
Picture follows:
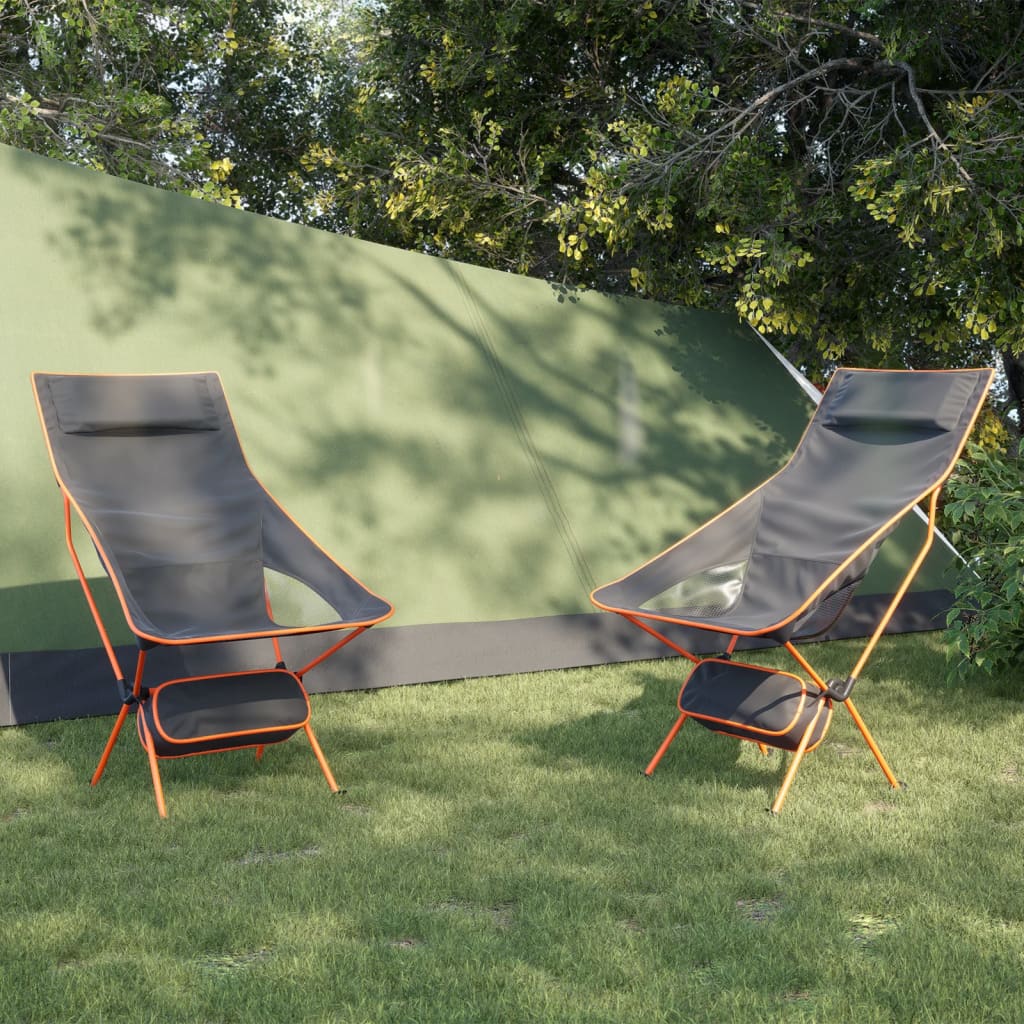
(549, 492)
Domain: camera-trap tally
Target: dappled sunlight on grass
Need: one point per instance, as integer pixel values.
(498, 855)
(31, 772)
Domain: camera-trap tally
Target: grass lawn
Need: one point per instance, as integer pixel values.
(497, 856)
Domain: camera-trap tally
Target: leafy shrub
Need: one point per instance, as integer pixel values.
(984, 516)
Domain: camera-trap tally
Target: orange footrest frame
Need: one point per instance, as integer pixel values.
(754, 703)
(204, 714)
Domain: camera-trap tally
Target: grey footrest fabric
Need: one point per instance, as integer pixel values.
(753, 703)
(202, 714)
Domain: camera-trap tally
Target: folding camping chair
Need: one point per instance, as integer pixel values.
(153, 467)
(783, 562)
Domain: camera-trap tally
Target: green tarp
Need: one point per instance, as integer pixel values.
(479, 448)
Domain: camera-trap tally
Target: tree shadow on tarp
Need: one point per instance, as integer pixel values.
(472, 448)
(419, 384)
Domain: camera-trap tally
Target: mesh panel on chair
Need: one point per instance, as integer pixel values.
(826, 613)
(710, 592)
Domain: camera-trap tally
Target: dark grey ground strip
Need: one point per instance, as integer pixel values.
(42, 686)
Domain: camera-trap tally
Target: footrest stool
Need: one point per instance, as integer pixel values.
(754, 703)
(205, 714)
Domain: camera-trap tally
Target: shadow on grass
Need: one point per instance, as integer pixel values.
(499, 857)
(624, 739)
(904, 686)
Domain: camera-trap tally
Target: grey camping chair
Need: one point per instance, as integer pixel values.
(783, 562)
(152, 466)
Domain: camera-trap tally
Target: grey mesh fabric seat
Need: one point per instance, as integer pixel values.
(784, 561)
(153, 467)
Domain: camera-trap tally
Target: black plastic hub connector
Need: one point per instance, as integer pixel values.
(840, 689)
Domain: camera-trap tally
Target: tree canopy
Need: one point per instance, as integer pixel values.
(848, 176)
(220, 98)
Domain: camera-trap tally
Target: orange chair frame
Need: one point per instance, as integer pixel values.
(132, 701)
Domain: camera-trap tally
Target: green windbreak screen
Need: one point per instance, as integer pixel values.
(474, 446)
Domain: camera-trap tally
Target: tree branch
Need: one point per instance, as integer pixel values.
(832, 26)
(939, 142)
(53, 115)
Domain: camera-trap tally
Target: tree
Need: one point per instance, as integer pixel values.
(849, 176)
(217, 98)
(102, 84)
(477, 121)
(282, 92)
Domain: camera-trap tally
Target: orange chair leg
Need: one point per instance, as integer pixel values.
(666, 743)
(780, 797)
(893, 781)
(140, 666)
(108, 749)
(259, 752)
(154, 771)
(763, 747)
(798, 756)
(319, 754)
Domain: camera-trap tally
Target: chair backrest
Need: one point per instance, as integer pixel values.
(155, 469)
(879, 442)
